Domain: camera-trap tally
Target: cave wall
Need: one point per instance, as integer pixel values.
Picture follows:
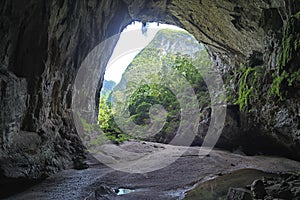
(44, 42)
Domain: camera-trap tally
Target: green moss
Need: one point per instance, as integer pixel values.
(286, 53)
(291, 41)
(248, 85)
(285, 77)
(244, 89)
(294, 77)
(297, 44)
(275, 88)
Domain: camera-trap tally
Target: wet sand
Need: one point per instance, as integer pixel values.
(171, 182)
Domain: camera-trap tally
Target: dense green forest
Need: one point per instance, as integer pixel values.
(146, 82)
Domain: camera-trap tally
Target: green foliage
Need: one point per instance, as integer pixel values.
(148, 95)
(244, 90)
(156, 65)
(294, 77)
(248, 84)
(284, 79)
(275, 88)
(288, 73)
(291, 41)
(194, 71)
(105, 114)
(141, 99)
(285, 56)
(107, 123)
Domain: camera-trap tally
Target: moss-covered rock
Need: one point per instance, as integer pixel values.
(291, 44)
(287, 74)
(249, 85)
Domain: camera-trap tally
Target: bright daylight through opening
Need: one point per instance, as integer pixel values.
(138, 69)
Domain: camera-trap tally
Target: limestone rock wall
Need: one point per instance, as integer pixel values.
(42, 46)
(44, 42)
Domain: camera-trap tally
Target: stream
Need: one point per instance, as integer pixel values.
(218, 187)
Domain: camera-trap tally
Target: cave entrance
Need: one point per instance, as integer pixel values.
(168, 90)
(161, 49)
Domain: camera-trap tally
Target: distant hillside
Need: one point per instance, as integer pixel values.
(107, 88)
(158, 55)
(169, 51)
(174, 41)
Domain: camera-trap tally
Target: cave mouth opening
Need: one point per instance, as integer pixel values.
(163, 45)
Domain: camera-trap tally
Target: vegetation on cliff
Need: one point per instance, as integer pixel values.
(287, 75)
(145, 84)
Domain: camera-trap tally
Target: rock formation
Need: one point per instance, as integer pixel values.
(44, 42)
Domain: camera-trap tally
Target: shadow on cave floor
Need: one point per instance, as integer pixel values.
(11, 186)
(170, 182)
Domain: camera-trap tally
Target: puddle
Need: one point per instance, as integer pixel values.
(217, 188)
(122, 191)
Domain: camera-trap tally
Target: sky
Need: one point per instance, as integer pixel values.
(131, 42)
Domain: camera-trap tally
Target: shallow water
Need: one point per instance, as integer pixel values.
(122, 191)
(217, 188)
(168, 183)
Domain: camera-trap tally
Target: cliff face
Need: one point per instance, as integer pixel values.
(149, 60)
(164, 73)
(43, 44)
